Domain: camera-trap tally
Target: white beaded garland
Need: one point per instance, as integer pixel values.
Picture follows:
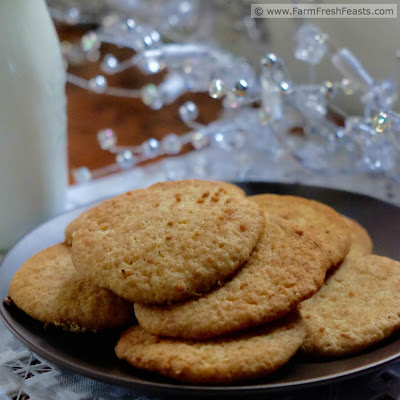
(125, 159)
(98, 84)
(199, 140)
(171, 144)
(188, 111)
(82, 175)
(106, 138)
(151, 96)
(150, 148)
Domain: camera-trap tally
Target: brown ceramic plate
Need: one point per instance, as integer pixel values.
(93, 356)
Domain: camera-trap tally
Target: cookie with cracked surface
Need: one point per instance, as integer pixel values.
(169, 242)
(73, 226)
(322, 223)
(358, 306)
(245, 355)
(284, 269)
(48, 288)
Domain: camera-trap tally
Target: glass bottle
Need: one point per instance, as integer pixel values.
(33, 162)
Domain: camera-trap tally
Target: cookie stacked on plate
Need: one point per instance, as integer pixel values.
(215, 278)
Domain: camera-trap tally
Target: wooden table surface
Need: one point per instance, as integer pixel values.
(132, 121)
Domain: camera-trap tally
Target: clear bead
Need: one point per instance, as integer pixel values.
(270, 60)
(271, 109)
(311, 44)
(381, 122)
(171, 144)
(240, 88)
(328, 89)
(109, 64)
(98, 84)
(125, 159)
(106, 138)
(217, 89)
(199, 140)
(187, 65)
(188, 111)
(73, 16)
(150, 148)
(130, 24)
(151, 96)
(90, 41)
(82, 175)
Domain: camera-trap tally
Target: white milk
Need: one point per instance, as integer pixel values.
(33, 164)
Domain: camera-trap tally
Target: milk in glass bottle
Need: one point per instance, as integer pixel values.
(33, 175)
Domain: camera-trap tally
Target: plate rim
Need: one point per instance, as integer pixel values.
(148, 385)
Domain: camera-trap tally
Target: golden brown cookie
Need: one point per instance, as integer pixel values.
(79, 221)
(48, 288)
(320, 222)
(244, 355)
(358, 306)
(167, 243)
(361, 242)
(284, 269)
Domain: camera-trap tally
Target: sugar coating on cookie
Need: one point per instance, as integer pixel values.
(361, 242)
(248, 354)
(48, 288)
(358, 306)
(73, 226)
(322, 223)
(169, 242)
(284, 269)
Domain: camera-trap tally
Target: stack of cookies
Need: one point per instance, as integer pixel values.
(218, 281)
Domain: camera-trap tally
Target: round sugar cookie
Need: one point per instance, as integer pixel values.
(167, 243)
(284, 269)
(361, 242)
(245, 355)
(358, 306)
(320, 222)
(48, 288)
(73, 226)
